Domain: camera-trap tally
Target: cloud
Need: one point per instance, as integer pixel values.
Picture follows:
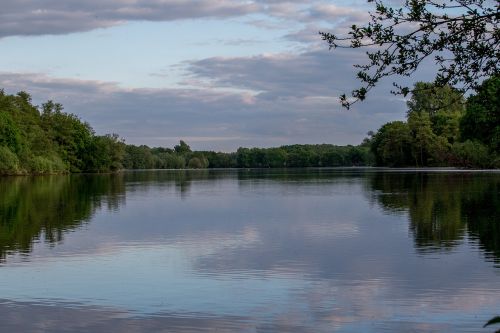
(30, 17)
(315, 73)
(334, 13)
(227, 102)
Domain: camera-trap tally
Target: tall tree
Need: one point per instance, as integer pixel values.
(182, 148)
(392, 145)
(444, 105)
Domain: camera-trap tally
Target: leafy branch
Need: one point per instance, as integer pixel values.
(461, 35)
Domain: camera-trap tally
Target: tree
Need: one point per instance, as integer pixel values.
(461, 35)
(105, 154)
(9, 132)
(72, 135)
(423, 138)
(482, 116)
(444, 105)
(392, 145)
(182, 148)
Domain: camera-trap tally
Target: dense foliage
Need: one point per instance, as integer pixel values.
(47, 140)
(324, 155)
(461, 36)
(443, 130)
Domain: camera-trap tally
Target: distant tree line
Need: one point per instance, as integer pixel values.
(181, 156)
(443, 129)
(46, 140)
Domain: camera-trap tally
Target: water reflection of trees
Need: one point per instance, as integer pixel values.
(142, 180)
(444, 208)
(34, 207)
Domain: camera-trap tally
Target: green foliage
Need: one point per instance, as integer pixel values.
(276, 157)
(471, 154)
(72, 136)
(220, 160)
(175, 162)
(429, 98)
(138, 157)
(51, 141)
(436, 122)
(182, 148)
(323, 155)
(482, 117)
(392, 145)
(423, 137)
(444, 105)
(46, 165)
(197, 163)
(9, 163)
(105, 153)
(9, 133)
(303, 156)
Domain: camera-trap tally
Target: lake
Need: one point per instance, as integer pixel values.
(305, 250)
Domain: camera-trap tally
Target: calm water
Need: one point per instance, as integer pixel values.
(334, 250)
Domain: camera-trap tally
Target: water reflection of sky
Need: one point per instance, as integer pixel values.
(256, 255)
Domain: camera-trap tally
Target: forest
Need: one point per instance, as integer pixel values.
(442, 128)
(45, 140)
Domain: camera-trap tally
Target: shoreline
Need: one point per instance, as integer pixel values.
(367, 168)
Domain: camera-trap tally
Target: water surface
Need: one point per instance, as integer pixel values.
(321, 250)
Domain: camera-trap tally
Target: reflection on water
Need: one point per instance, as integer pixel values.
(444, 208)
(323, 250)
(46, 207)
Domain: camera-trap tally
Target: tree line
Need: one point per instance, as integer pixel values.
(441, 129)
(47, 140)
(181, 156)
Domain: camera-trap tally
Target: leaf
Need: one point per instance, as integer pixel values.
(495, 320)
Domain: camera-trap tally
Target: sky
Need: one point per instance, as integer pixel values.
(219, 74)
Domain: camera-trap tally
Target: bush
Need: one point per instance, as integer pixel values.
(198, 163)
(471, 154)
(9, 163)
(44, 164)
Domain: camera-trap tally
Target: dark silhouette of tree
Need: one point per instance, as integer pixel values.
(462, 36)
